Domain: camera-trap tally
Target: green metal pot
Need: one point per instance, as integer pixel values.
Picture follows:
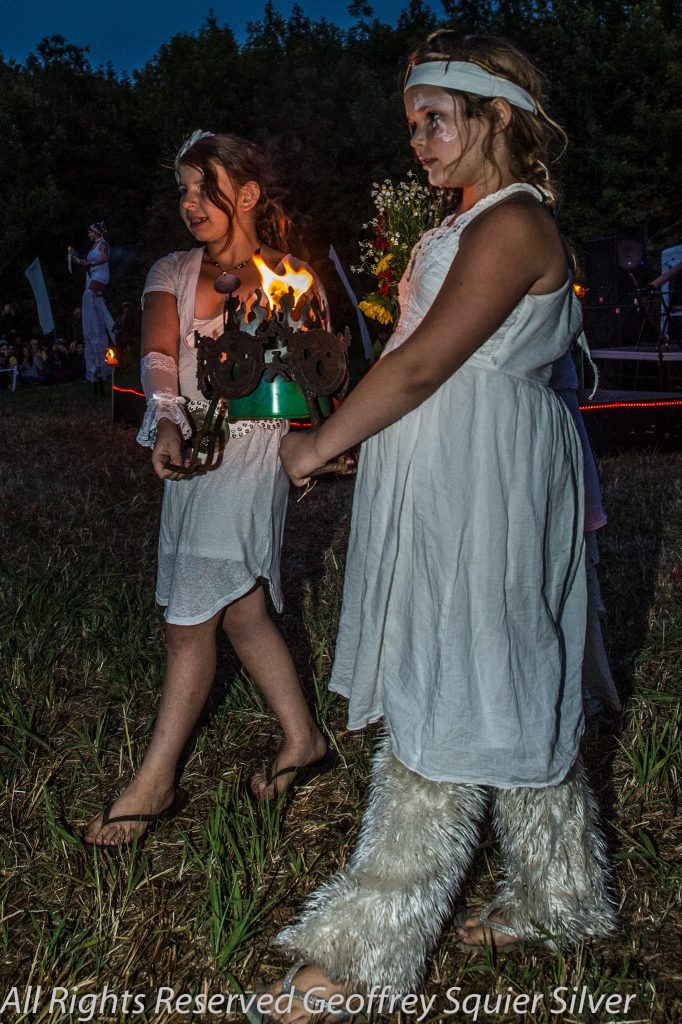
(279, 399)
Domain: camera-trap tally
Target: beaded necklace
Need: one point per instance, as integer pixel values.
(237, 266)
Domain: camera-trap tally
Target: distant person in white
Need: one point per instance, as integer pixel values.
(96, 265)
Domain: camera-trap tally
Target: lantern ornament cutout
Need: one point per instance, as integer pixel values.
(274, 360)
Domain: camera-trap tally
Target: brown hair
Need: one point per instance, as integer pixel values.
(243, 162)
(530, 137)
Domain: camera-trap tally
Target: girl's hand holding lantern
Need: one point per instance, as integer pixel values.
(168, 449)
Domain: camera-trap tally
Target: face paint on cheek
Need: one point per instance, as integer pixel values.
(446, 134)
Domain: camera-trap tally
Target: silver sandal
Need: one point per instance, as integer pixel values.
(493, 926)
(496, 926)
(313, 1004)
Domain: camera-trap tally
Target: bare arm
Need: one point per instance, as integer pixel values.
(504, 254)
(160, 324)
(161, 334)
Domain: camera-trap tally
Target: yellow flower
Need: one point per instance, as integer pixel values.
(383, 264)
(376, 312)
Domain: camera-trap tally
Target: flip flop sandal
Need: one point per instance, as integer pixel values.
(303, 775)
(493, 926)
(180, 799)
(315, 1005)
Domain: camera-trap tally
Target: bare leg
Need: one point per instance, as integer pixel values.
(263, 653)
(190, 670)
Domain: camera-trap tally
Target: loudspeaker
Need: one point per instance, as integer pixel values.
(612, 318)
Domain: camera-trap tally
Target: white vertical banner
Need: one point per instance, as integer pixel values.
(364, 333)
(34, 273)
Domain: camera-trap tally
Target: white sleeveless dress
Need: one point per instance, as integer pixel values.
(463, 619)
(221, 531)
(101, 271)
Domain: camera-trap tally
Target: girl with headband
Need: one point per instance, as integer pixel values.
(221, 531)
(463, 619)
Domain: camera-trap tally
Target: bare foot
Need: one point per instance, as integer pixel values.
(136, 799)
(473, 933)
(293, 754)
(311, 983)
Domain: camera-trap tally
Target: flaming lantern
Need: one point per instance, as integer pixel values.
(274, 360)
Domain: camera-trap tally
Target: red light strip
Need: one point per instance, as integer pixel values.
(630, 405)
(127, 391)
(583, 408)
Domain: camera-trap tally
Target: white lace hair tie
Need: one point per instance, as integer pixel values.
(187, 145)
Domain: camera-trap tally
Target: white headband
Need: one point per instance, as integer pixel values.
(467, 77)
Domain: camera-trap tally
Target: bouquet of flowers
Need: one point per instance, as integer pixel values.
(404, 212)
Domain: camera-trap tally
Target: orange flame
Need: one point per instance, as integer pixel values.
(277, 285)
(110, 358)
(580, 290)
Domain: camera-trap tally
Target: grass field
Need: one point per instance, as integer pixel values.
(81, 658)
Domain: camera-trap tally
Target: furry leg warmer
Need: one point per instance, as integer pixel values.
(377, 921)
(555, 873)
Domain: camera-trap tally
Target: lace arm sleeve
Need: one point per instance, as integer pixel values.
(160, 384)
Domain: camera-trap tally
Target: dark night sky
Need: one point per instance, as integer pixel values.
(126, 33)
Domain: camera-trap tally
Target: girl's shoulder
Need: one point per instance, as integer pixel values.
(166, 272)
(520, 213)
(519, 230)
(518, 219)
(179, 257)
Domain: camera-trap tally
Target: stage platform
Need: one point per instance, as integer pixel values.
(634, 366)
(622, 420)
(638, 354)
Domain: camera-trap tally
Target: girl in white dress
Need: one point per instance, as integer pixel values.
(221, 531)
(463, 617)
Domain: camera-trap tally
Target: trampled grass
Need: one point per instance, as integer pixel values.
(81, 657)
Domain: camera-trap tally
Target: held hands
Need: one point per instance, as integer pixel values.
(298, 452)
(168, 448)
(301, 458)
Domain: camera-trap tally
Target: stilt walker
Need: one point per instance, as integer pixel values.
(95, 338)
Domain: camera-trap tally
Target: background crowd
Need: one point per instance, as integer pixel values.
(57, 359)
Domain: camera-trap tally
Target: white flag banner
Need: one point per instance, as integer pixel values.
(364, 332)
(34, 273)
